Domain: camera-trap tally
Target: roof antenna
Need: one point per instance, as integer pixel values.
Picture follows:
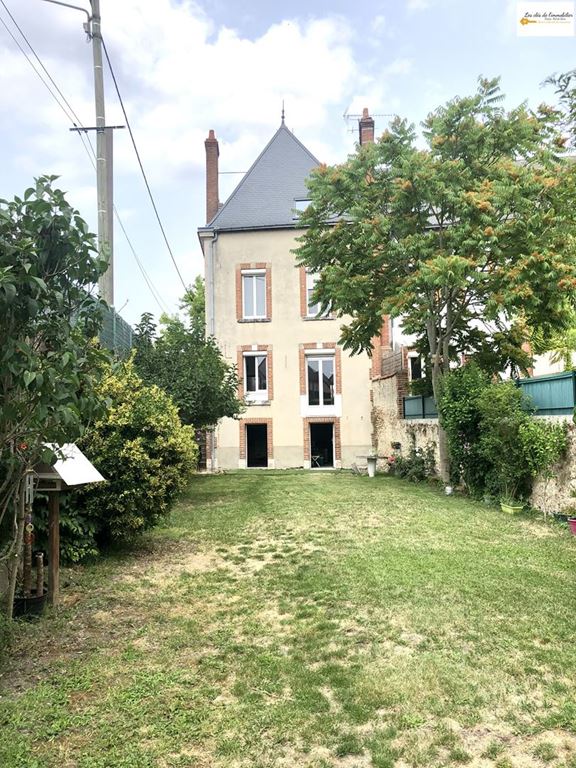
(282, 111)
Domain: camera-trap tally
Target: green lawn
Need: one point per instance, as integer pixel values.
(307, 619)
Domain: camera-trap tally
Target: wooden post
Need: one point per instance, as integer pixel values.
(53, 547)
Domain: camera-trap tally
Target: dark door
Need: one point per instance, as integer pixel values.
(256, 445)
(321, 445)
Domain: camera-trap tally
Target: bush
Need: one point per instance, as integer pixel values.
(496, 447)
(504, 410)
(459, 410)
(77, 530)
(417, 466)
(143, 451)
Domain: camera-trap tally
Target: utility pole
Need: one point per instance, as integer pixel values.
(104, 181)
(104, 151)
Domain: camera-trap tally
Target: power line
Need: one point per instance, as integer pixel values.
(72, 116)
(141, 166)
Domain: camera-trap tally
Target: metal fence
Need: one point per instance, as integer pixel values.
(115, 334)
(553, 395)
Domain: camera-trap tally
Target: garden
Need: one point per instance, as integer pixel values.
(310, 619)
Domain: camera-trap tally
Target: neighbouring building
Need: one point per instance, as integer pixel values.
(308, 401)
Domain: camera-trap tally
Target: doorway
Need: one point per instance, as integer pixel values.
(321, 445)
(256, 445)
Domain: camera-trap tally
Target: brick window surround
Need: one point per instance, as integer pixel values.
(327, 346)
(246, 267)
(269, 367)
(270, 442)
(322, 420)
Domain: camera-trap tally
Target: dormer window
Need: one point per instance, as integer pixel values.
(300, 206)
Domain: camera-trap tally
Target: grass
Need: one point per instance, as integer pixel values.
(317, 620)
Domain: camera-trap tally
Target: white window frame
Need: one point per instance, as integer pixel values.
(257, 394)
(247, 273)
(320, 358)
(311, 280)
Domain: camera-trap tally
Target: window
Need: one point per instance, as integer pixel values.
(300, 206)
(320, 374)
(313, 309)
(415, 367)
(254, 295)
(255, 377)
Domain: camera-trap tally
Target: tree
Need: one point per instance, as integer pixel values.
(191, 369)
(469, 240)
(194, 304)
(49, 365)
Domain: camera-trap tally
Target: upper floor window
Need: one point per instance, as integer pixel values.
(256, 376)
(313, 308)
(254, 295)
(320, 375)
(414, 367)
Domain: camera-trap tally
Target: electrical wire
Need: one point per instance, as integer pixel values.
(151, 196)
(72, 117)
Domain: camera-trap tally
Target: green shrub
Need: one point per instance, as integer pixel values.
(496, 446)
(143, 451)
(77, 530)
(460, 414)
(504, 409)
(416, 466)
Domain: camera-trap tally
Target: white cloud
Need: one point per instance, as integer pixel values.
(417, 5)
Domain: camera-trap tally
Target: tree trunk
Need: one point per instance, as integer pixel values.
(444, 468)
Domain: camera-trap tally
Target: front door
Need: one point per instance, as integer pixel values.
(321, 445)
(256, 445)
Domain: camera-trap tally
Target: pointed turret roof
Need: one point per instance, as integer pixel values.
(266, 195)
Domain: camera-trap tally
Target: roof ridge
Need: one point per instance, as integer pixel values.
(237, 188)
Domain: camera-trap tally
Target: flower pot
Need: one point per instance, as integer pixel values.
(572, 525)
(31, 606)
(511, 508)
(372, 465)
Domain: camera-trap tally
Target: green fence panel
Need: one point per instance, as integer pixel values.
(414, 407)
(116, 334)
(551, 395)
(419, 407)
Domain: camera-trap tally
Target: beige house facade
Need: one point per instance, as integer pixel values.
(308, 402)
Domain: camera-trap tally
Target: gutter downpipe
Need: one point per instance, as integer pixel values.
(211, 323)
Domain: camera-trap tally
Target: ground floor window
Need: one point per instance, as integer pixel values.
(321, 445)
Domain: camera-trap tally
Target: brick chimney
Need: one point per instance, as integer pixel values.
(366, 128)
(212, 152)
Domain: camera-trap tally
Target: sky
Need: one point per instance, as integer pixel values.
(186, 67)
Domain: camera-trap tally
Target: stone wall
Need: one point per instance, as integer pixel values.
(552, 495)
(389, 426)
(555, 494)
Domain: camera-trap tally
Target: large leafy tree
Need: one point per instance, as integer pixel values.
(190, 368)
(470, 240)
(49, 366)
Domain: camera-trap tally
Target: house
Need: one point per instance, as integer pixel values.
(307, 400)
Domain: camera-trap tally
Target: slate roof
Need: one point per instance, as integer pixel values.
(265, 196)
